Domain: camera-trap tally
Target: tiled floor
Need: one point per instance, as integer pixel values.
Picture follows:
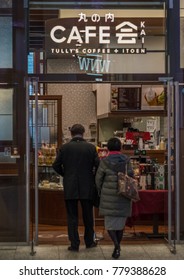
(101, 252)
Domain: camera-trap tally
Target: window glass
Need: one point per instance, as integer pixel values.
(6, 42)
(6, 114)
(31, 63)
(6, 4)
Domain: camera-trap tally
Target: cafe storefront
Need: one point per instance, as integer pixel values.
(114, 68)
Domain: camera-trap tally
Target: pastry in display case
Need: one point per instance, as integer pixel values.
(51, 181)
(48, 179)
(47, 154)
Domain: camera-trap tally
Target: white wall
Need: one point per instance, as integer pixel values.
(103, 98)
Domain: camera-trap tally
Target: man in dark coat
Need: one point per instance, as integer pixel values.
(77, 162)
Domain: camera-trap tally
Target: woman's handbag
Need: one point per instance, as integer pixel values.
(128, 186)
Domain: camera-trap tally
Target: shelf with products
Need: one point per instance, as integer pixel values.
(149, 173)
(46, 154)
(158, 155)
(148, 165)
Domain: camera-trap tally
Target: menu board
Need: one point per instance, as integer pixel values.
(137, 97)
(129, 98)
(153, 97)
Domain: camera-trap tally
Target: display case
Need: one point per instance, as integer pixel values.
(47, 177)
(45, 126)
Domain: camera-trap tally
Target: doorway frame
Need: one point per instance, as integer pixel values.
(171, 241)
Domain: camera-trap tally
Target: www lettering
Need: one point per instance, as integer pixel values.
(93, 64)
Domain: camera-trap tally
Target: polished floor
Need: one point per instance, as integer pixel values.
(101, 252)
(138, 234)
(138, 243)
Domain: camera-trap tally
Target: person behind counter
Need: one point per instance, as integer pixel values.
(76, 162)
(113, 207)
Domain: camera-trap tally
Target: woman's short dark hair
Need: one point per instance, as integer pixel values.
(114, 144)
(77, 129)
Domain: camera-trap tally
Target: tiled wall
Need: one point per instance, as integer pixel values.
(78, 105)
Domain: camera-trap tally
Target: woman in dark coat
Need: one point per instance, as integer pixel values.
(113, 207)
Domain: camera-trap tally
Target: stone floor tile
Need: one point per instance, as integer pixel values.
(7, 253)
(101, 252)
(132, 252)
(160, 252)
(128, 252)
(23, 253)
(180, 251)
(46, 253)
(107, 252)
(83, 254)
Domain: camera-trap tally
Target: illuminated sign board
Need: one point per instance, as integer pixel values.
(93, 39)
(94, 35)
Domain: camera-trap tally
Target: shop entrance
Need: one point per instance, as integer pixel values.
(47, 119)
